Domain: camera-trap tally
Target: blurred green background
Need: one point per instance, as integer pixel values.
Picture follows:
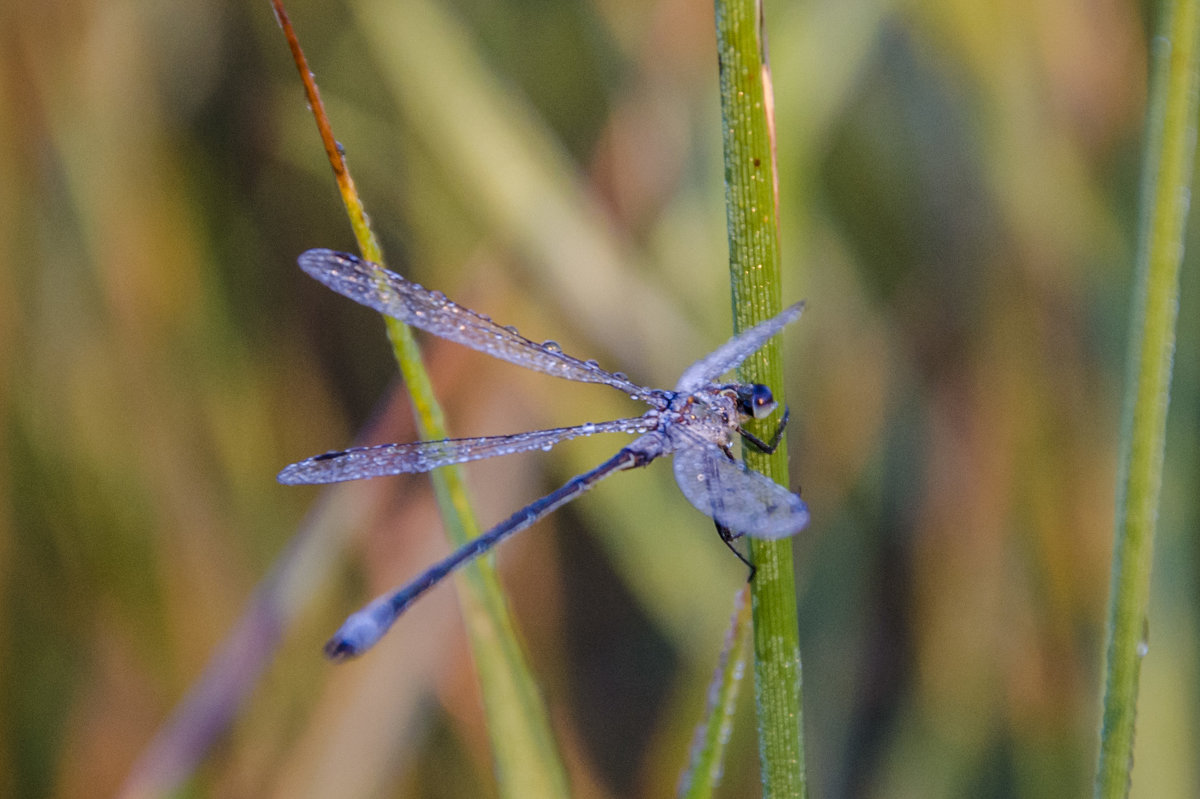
(959, 188)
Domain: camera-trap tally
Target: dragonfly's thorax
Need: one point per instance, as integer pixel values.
(711, 414)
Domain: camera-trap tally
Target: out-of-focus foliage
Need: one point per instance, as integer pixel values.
(958, 187)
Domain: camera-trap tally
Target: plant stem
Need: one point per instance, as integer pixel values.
(1166, 180)
(707, 765)
(526, 759)
(751, 196)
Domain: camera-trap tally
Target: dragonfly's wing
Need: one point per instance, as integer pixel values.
(733, 352)
(744, 501)
(422, 456)
(389, 293)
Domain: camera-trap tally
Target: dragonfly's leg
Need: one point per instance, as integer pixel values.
(776, 437)
(728, 537)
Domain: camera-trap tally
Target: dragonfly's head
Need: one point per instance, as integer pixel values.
(756, 400)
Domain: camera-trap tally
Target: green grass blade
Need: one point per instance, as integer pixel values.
(526, 758)
(1167, 177)
(704, 772)
(751, 212)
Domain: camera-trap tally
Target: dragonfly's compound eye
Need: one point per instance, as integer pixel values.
(756, 400)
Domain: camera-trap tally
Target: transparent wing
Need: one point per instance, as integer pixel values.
(389, 293)
(422, 456)
(744, 501)
(733, 352)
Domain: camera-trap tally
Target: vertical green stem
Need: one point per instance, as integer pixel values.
(751, 197)
(1167, 177)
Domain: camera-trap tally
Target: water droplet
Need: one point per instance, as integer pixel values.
(511, 329)
(551, 345)
(547, 447)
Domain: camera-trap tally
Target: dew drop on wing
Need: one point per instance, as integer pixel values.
(551, 345)
(511, 329)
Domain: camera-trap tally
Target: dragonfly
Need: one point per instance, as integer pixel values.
(697, 422)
